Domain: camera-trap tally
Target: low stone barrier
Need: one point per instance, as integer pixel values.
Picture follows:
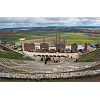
(51, 76)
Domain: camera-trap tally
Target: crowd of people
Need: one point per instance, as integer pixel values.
(48, 59)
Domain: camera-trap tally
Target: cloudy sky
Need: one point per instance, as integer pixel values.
(13, 22)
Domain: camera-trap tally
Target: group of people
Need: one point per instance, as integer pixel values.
(46, 59)
(55, 61)
(49, 59)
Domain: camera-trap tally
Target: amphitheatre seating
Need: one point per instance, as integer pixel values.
(16, 64)
(7, 63)
(33, 66)
(68, 66)
(19, 61)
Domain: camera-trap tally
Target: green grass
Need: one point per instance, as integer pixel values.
(13, 55)
(78, 38)
(24, 34)
(31, 36)
(90, 57)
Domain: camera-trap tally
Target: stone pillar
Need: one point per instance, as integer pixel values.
(14, 43)
(22, 45)
(85, 47)
(71, 49)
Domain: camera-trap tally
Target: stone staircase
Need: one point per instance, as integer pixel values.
(36, 67)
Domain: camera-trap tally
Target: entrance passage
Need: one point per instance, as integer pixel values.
(58, 50)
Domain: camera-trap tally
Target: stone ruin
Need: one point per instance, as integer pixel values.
(85, 48)
(60, 47)
(74, 47)
(8, 43)
(28, 47)
(44, 47)
(97, 45)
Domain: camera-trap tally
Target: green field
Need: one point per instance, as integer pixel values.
(74, 37)
(78, 38)
(13, 55)
(90, 57)
(25, 34)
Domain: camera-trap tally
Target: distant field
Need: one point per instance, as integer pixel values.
(32, 36)
(78, 38)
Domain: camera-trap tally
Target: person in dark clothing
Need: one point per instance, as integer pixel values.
(46, 59)
(45, 62)
(71, 56)
(56, 61)
(76, 60)
(50, 59)
(42, 59)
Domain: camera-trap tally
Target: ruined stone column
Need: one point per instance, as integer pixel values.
(22, 45)
(14, 43)
(85, 47)
(71, 49)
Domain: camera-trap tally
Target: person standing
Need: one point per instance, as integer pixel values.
(45, 62)
(76, 60)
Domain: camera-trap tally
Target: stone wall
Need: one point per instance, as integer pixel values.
(29, 47)
(60, 47)
(74, 47)
(44, 46)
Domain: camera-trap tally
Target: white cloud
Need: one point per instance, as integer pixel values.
(8, 22)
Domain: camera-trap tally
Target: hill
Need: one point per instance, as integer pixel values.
(90, 57)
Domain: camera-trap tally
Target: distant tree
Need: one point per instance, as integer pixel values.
(57, 39)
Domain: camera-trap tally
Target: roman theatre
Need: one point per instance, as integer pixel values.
(57, 59)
